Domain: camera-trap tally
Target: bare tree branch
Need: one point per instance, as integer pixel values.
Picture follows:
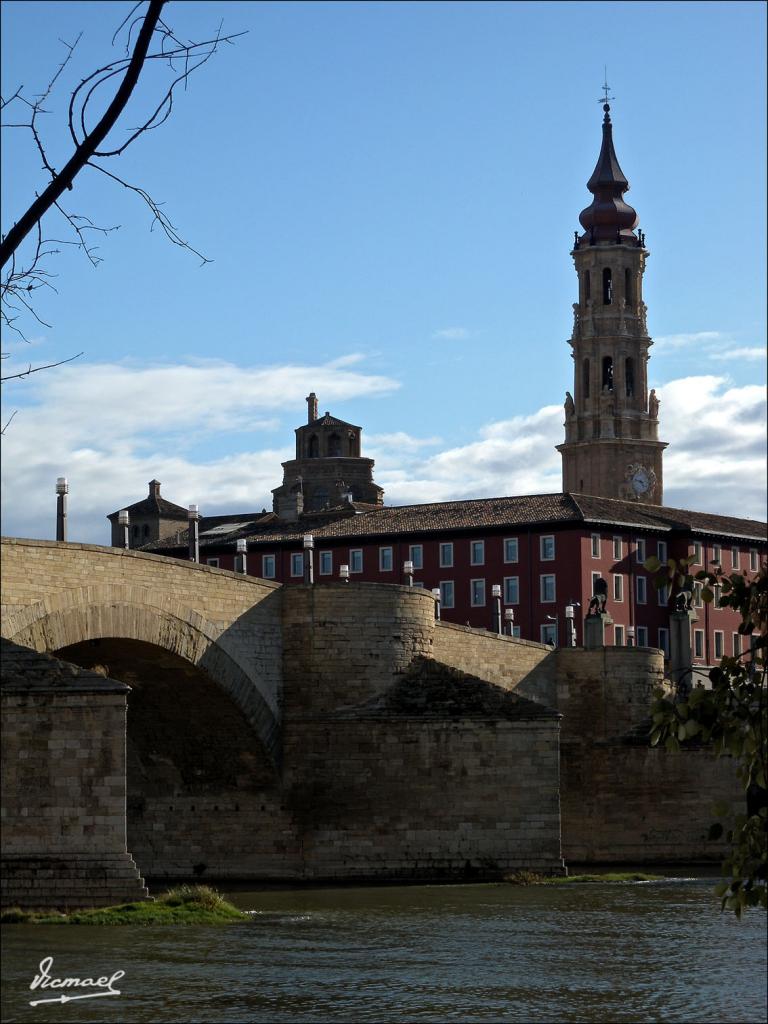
(36, 369)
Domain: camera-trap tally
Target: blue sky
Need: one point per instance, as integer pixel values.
(388, 192)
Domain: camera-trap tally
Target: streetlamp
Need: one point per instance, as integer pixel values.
(62, 489)
(570, 623)
(509, 617)
(344, 573)
(124, 520)
(241, 558)
(436, 595)
(408, 571)
(193, 518)
(496, 595)
(309, 569)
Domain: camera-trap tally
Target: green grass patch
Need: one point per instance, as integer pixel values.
(531, 878)
(184, 904)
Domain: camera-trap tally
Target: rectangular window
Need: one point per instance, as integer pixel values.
(547, 588)
(510, 549)
(446, 556)
(753, 560)
(717, 555)
(736, 644)
(297, 564)
(663, 596)
(618, 588)
(326, 563)
(698, 601)
(642, 636)
(511, 590)
(618, 636)
(716, 600)
(213, 562)
(595, 577)
(696, 553)
(547, 548)
(661, 550)
(416, 555)
(385, 559)
(663, 640)
(355, 560)
(516, 631)
(477, 593)
(548, 633)
(719, 645)
(446, 593)
(642, 589)
(698, 643)
(639, 550)
(734, 558)
(477, 553)
(595, 545)
(268, 567)
(617, 549)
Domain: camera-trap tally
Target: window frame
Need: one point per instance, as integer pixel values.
(662, 551)
(443, 603)
(416, 555)
(352, 560)
(543, 539)
(264, 560)
(383, 551)
(481, 545)
(735, 557)
(472, 602)
(446, 545)
(547, 576)
(321, 558)
(595, 541)
(617, 546)
(618, 588)
(698, 552)
(754, 560)
(642, 636)
(698, 644)
(641, 584)
(640, 550)
(213, 562)
(507, 541)
(662, 639)
(619, 637)
(297, 559)
(546, 627)
(718, 644)
(510, 581)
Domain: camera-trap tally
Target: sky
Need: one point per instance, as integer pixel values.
(388, 194)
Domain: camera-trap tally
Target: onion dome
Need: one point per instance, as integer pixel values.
(608, 218)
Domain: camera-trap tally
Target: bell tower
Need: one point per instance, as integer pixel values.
(611, 444)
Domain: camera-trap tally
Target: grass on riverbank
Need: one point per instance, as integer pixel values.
(185, 904)
(531, 878)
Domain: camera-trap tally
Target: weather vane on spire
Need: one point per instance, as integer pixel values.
(606, 89)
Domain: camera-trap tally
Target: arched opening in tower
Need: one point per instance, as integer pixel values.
(202, 792)
(607, 373)
(313, 448)
(607, 286)
(628, 298)
(334, 446)
(629, 377)
(585, 371)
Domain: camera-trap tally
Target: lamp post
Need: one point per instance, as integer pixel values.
(509, 618)
(408, 572)
(496, 595)
(193, 518)
(241, 558)
(570, 623)
(344, 573)
(124, 520)
(62, 489)
(436, 595)
(309, 569)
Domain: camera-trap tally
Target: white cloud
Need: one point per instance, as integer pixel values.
(107, 427)
(451, 334)
(667, 342)
(755, 354)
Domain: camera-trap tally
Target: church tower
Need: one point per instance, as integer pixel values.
(611, 444)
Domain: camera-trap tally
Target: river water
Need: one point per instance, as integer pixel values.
(584, 952)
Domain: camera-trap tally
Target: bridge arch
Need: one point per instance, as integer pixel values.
(74, 616)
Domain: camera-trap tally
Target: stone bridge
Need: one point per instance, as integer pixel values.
(309, 732)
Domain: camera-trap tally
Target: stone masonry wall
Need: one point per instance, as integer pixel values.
(622, 800)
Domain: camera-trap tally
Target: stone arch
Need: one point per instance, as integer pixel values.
(91, 613)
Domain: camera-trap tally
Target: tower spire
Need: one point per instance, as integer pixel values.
(608, 218)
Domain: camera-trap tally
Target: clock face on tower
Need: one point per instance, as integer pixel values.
(639, 482)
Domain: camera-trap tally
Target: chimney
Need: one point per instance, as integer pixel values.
(154, 488)
(311, 407)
